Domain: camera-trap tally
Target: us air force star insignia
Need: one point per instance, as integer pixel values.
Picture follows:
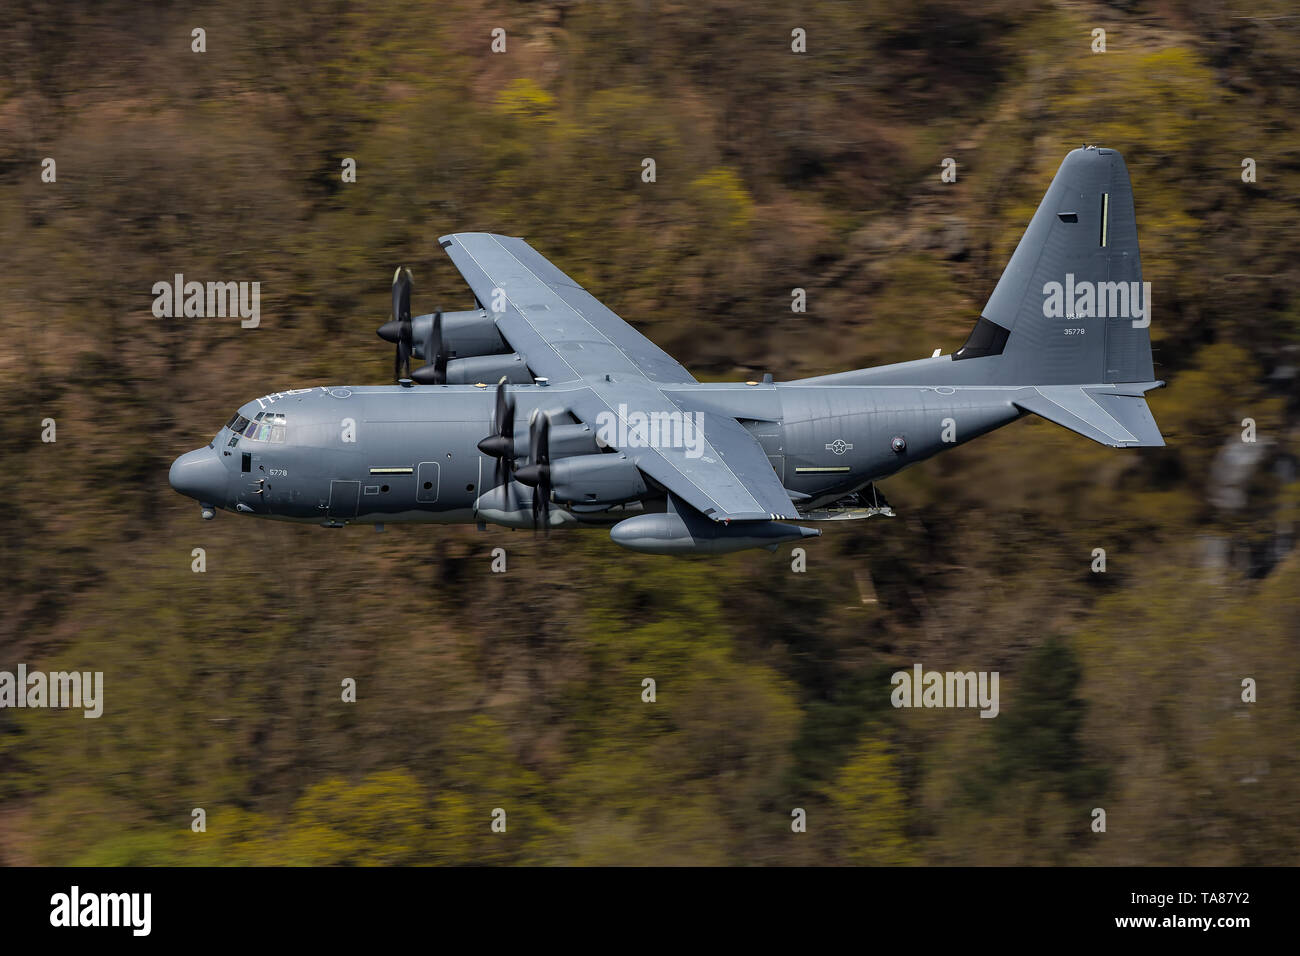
(839, 446)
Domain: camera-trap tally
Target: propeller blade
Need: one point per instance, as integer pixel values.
(539, 469)
(501, 475)
(402, 294)
(434, 369)
(439, 358)
(501, 443)
(505, 414)
(402, 318)
(538, 462)
(433, 341)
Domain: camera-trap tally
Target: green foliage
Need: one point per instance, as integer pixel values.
(868, 808)
(1039, 736)
(523, 691)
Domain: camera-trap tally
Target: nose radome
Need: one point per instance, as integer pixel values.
(199, 474)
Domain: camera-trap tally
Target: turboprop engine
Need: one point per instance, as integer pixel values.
(458, 348)
(463, 333)
(522, 496)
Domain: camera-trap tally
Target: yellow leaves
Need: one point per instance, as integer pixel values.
(1179, 78)
(387, 819)
(722, 195)
(522, 98)
(868, 808)
(381, 821)
(378, 821)
(1164, 102)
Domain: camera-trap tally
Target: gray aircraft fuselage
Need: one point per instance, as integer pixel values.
(378, 454)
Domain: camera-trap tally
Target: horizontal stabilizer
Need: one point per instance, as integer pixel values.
(1114, 415)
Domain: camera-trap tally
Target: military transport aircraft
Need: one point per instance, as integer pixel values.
(542, 408)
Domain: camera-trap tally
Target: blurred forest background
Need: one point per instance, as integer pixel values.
(522, 690)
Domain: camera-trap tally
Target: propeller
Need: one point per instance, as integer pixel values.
(402, 317)
(537, 473)
(434, 369)
(501, 443)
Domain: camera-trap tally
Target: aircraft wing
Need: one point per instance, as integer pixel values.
(724, 474)
(559, 328)
(564, 334)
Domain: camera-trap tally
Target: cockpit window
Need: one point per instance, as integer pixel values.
(264, 426)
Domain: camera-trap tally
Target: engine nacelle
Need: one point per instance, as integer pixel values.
(566, 440)
(596, 479)
(488, 368)
(463, 334)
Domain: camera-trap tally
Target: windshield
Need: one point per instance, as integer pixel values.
(264, 426)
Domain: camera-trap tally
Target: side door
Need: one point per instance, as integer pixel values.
(344, 496)
(427, 475)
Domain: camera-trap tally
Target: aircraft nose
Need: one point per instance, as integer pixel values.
(199, 474)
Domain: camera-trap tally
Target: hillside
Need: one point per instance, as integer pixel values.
(774, 171)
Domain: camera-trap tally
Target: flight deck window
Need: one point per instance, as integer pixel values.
(264, 426)
(278, 425)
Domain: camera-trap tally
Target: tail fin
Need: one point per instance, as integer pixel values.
(1065, 330)
(1071, 307)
